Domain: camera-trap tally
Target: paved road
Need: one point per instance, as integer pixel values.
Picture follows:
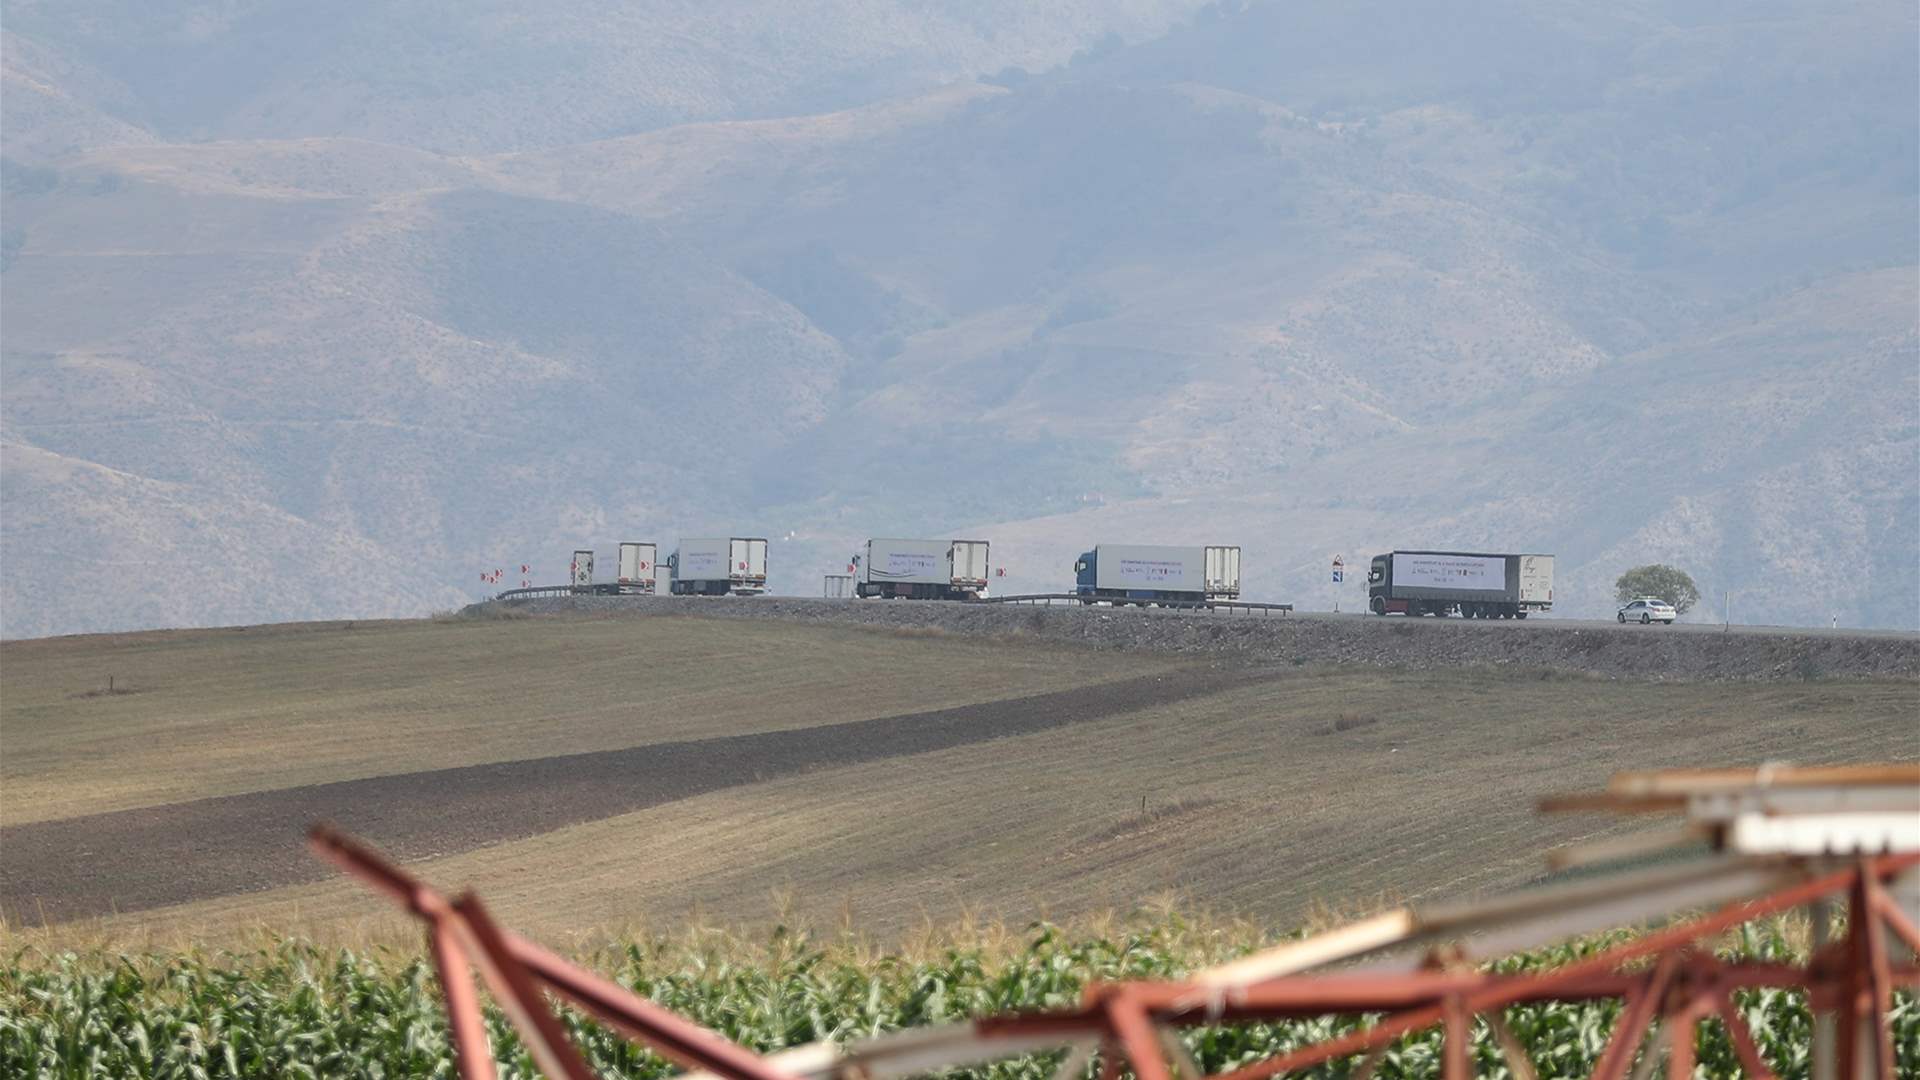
(1539, 622)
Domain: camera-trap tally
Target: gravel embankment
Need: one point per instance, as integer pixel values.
(1636, 652)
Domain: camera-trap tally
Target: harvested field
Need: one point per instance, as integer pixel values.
(131, 860)
(1270, 790)
(199, 713)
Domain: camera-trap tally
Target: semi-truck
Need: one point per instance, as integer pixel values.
(637, 569)
(1473, 584)
(1144, 574)
(716, 566)
(921, 569)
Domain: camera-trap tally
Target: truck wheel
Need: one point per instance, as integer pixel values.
(1379, 605)
(1519, 614)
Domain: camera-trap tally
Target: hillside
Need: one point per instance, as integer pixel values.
(491, 76)
(293, 330)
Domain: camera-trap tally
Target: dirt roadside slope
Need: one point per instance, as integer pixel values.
(1620, 652)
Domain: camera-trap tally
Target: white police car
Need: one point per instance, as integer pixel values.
(1648, 609)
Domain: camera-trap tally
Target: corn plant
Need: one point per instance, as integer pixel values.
(298, 1010)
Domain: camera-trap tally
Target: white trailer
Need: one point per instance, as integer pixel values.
(715, 566)
(921, 569)
(1145, 573)
(1536, 582)
(582, 570)
(837, 587)
(638, 573)
(1222, 579)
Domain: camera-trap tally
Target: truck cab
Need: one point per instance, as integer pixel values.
(1379, 588)
(1085, 573)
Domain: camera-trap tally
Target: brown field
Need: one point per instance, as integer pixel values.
(196, 713)
(1267, 792)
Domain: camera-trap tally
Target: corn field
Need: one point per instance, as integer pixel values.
(296, 1010)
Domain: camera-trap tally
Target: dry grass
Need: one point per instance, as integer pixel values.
(1256, 805)
(218, 712)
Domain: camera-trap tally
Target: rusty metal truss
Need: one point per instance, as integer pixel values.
(1828, 841)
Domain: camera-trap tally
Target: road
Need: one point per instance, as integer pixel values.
(1539, 622)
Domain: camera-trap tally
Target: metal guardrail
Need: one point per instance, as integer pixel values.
(540, 590)
(1075, 598)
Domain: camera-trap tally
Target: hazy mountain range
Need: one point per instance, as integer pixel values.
(323, 310)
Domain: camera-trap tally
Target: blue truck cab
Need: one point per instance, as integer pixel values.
(1084, 570)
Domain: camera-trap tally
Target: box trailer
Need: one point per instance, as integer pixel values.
(921, 569)
(581, 574)
(837, 587)
(638, 574)
(716, 566)
(1476, 585)
(1144, 574)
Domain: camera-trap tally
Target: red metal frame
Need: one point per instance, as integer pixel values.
(1669, 976)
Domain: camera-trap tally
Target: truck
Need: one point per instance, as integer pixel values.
(637, 570)
(716, 566)
(1476, 585)
(921, 569)
(581, 572)
(1146, 574)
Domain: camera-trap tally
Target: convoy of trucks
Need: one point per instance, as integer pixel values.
(717, 566)
(1144, 574)
(1472, 584)
(921, 569)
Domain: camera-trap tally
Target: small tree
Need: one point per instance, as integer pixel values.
(1658, 579)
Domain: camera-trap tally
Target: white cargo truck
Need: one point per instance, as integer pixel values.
(716, 566)
(582, 571)
(1145, 574)
(637, 570)
(921, 569)
(1476, 585)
